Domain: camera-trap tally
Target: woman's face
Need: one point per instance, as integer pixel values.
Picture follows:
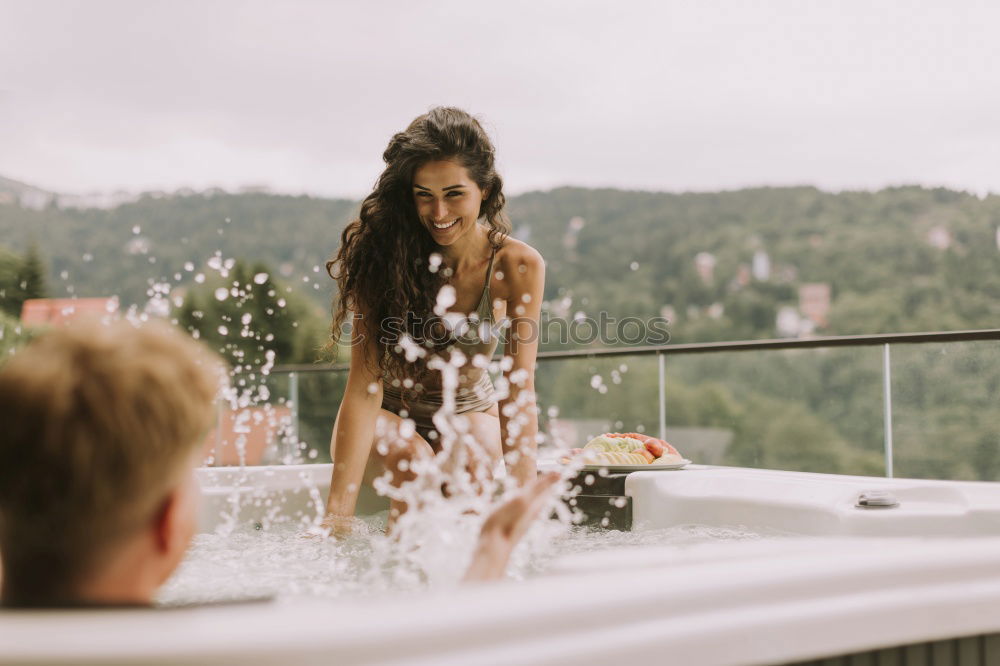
(447, 200)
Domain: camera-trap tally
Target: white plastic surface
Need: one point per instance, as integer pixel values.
(718, 604)
(812, 504)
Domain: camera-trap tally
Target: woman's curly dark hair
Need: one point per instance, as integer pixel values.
(382, 264)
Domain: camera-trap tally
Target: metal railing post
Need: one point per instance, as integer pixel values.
(662, 361)
(218, 433)
(293, 398)
(887, 408)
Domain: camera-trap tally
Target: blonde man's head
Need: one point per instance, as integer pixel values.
(98, 422)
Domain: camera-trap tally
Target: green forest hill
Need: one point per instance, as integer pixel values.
(720, 266)
(628, 253)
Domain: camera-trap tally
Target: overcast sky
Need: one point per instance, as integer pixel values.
(304, 96)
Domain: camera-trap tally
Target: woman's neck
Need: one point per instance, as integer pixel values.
(467, 250)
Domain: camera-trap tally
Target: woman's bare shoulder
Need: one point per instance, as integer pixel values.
(516, 253)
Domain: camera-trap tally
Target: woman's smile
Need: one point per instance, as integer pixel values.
(446, 225)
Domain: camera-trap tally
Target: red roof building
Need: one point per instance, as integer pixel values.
(56, 311)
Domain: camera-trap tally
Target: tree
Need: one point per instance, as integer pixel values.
(32, 274)
(21, 278)
(251, 319)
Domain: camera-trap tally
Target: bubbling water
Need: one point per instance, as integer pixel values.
(272, 562)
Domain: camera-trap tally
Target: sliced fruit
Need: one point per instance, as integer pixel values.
(645, 454)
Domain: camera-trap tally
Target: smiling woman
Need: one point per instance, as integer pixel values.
(426, 273)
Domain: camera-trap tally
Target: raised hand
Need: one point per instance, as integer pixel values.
(505, 527)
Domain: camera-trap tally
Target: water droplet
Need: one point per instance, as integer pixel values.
(445, 299)
(199, 278)
(188, 266)
(260, 278)
(411, 349)
(221, 294)
(634, 265)
(136, 229)
(222, 330)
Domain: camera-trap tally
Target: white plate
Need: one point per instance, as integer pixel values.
(636, 468)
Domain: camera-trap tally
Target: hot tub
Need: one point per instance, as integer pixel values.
(918, 580)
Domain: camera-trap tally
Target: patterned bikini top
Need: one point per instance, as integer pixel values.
(479, 334)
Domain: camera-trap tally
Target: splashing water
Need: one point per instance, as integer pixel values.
(452, 493)
(275, 561)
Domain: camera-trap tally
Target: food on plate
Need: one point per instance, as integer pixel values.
(657, 447)
(630, 448)
(611, 442)
(592, 457)
(649, 457)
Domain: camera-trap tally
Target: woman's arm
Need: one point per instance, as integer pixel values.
(518, 414)
(354, 429)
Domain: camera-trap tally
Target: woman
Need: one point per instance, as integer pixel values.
(432, 241)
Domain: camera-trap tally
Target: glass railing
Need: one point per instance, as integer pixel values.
(917, 405)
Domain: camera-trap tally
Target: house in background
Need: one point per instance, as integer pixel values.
(251, 436)
(56, 311)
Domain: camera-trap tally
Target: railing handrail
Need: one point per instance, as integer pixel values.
(715, 347)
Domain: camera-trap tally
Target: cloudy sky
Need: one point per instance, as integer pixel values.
(303, 96)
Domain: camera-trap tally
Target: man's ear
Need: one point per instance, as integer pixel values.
(175, 520)
(164, 524)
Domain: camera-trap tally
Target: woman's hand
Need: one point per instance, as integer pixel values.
(505, 527)
(340, 526)
(337, 527)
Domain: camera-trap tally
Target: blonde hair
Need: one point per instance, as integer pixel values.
(98, 422)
